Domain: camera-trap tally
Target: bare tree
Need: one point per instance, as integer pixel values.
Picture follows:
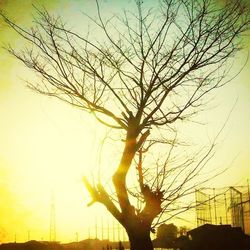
(145, 70)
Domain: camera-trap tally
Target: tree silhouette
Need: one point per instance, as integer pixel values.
(138, 73)
(166, 234)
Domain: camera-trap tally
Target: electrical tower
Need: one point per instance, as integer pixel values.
(52, 233)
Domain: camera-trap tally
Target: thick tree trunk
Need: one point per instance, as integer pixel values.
(140, 241)
(119, 177)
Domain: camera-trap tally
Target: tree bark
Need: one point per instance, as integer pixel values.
(119, 177)
(140, 240)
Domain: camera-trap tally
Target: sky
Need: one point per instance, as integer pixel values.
(46, 146)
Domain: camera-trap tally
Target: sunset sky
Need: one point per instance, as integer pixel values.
(46, 146)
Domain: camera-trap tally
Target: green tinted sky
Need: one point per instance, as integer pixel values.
(46, 145)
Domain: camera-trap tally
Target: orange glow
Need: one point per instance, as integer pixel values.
(47, 146)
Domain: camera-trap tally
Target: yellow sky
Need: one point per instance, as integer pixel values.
(46, 146)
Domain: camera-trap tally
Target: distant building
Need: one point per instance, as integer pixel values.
(217, 237)
(31, 245)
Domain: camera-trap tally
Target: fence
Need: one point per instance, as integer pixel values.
(224, 206)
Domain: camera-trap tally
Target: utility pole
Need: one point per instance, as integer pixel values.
(248, 189)
(108, 230)
(123, 235)
(52, 235)
(225, 199)
(102, 228)
(28, 235)
(113, 231)
(215, 211)
(96, 228)
(210, 210)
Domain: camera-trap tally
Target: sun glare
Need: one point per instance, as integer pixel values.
(47, 146)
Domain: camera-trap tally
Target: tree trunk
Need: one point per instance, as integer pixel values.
(140, 241)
